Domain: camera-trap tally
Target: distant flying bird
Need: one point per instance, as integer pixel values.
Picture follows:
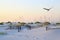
(47, 9)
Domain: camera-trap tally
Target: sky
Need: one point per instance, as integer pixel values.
(29, 10)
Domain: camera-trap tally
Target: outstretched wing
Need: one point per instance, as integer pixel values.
(46, 9)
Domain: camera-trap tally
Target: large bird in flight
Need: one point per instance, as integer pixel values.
(47, 9)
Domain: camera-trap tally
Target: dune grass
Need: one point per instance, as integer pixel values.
(3, 33)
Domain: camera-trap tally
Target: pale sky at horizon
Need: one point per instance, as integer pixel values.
(29, 10)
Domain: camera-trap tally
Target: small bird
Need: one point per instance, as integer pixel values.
(47, 9)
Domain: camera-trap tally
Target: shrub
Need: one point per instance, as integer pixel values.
(31, 23)
(37, 22)
(57, 23)
(46, 23)
(3, 33)
(1, 23)
(22, 23)
(8, 22)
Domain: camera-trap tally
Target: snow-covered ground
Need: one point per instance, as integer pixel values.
(33, 34)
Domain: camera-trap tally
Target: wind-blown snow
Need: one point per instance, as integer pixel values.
(33, 34)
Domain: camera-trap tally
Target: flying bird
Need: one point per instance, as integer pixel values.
(47, 9)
